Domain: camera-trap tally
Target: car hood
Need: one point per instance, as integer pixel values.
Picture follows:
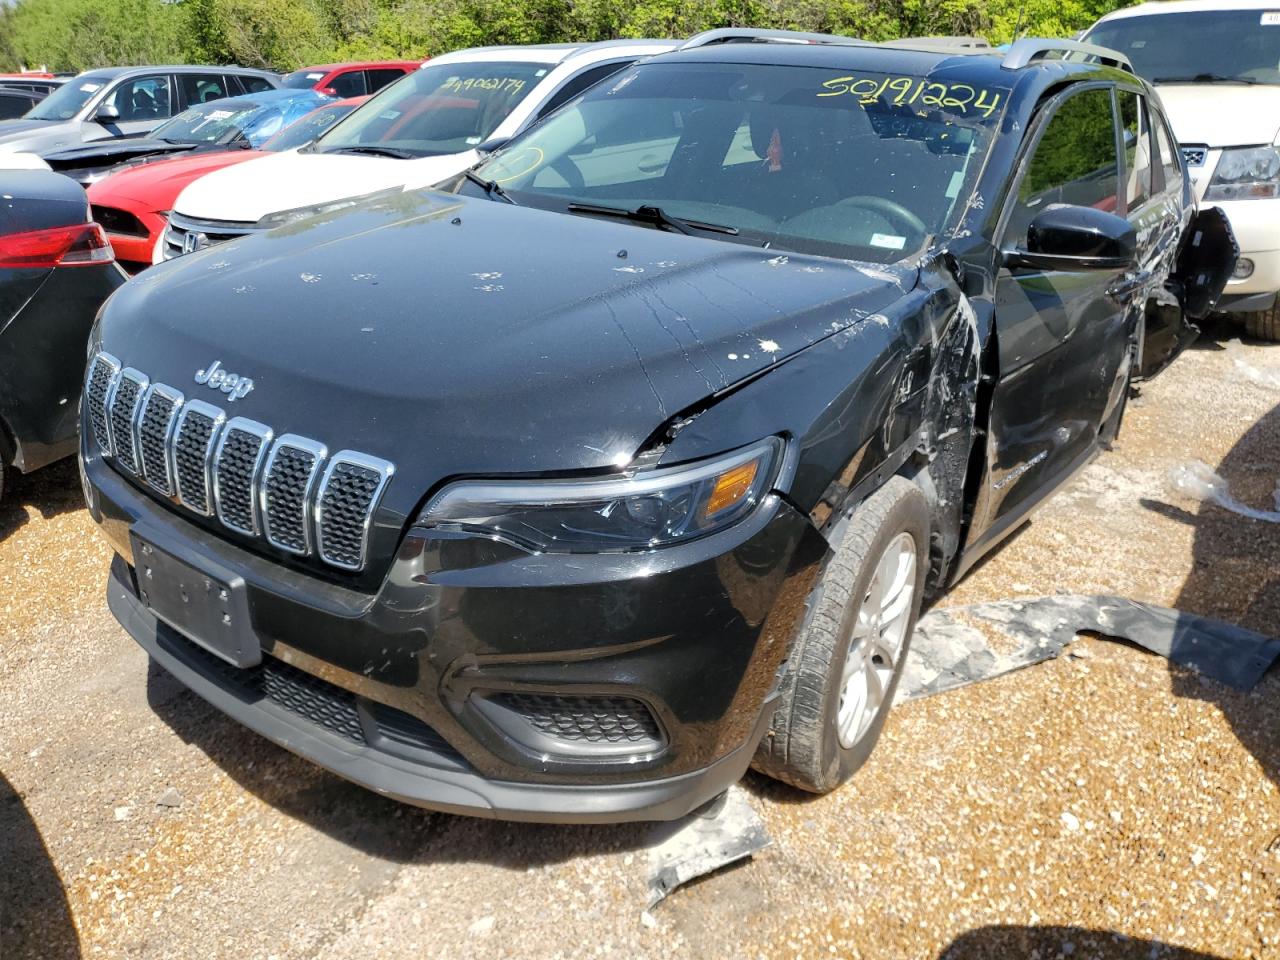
(19, 129)
(1222, 115)
(289, 180)
(106, 151)
(158, 183)
(456, 336)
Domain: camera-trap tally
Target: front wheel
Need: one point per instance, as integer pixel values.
(1264, 324)
(844, 667)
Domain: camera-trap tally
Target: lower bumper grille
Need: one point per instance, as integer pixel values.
(317, 702)
(585, 719)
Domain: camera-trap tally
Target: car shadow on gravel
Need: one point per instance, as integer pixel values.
(53, 491)
(1006, 943)
(1235, 576)
(361, 819)
(35, 918)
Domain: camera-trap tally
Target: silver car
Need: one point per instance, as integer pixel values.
(123, 102)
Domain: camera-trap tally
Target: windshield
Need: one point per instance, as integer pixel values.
(208, 123)
(308, 128)
(303, 79)
(441, 109)
(1222, 45)
(835, 162)
(65, 102)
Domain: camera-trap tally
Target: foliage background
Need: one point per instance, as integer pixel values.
(285, 34)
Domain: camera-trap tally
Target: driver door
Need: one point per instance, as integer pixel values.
(1063, 336)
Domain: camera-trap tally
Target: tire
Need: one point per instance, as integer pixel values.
(804, 745)
(1264, 324)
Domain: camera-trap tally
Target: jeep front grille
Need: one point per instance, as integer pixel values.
(286, 490)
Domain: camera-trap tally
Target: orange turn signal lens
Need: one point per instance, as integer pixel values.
(731, 486)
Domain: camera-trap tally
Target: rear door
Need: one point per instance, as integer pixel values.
(1063, 336)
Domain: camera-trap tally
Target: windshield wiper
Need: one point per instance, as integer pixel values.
(1206, 78)
(491, 188)
(373, 151)
(655, 216)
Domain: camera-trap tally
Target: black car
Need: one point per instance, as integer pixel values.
(566, 493)
(15, 103)
(56, 269)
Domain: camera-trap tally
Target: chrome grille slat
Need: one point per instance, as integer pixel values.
(214, 231)
(153, 434)
(286, 490)
(352, 484)
(123, 405)
(191, 454)
(99, 384)
(288, 482)
(237, 467)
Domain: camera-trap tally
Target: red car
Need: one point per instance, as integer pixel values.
(350, 79)
(133, 204)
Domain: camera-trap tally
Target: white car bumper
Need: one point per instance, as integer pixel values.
(1256, 224)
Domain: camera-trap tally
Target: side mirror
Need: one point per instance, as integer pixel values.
(107, 113)
(327, 91)
(494, 144)
(1065, 237)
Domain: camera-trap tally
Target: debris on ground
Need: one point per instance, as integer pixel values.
(1197, 481)
(949, 651)
(716, 835)
(170, 798)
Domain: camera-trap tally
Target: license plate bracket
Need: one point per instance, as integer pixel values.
(209, 609)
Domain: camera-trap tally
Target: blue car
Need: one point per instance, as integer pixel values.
(231, 123)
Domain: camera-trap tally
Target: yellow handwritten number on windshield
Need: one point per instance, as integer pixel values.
(906, 91)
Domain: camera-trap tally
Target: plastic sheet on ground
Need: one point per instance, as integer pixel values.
(1197, 481)
(949, 650)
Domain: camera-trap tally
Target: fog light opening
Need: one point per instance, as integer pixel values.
(1243, 270)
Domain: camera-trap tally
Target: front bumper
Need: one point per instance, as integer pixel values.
(389, 690)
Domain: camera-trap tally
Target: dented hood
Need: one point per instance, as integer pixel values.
(455, 336)
(1222, 114)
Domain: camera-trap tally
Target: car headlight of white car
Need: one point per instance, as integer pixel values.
(1246, 173)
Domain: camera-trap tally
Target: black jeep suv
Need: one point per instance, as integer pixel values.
(566, 492)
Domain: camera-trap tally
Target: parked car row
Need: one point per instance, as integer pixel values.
(595, 419)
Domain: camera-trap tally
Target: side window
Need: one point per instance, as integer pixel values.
(1137, 148)
(255, 84)
(575, 85)
(350, 84)
(1170, 161)
(1075, 162)
(380, 78)
(202, 87)
(143, 98)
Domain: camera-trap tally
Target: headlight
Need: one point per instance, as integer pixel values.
(1246, 173)
(646, 509)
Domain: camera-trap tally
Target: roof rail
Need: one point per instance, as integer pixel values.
(1031, 49)
(749, 35)
(980, 44)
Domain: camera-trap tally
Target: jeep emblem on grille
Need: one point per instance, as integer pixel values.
(233, 385)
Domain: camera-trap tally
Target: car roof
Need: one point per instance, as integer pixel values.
(917, 56)
(268, 97)
(1189, 6)
(357, 65)
(114, 72)
(556, 53)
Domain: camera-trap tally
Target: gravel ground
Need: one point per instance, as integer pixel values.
(1103, 805)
